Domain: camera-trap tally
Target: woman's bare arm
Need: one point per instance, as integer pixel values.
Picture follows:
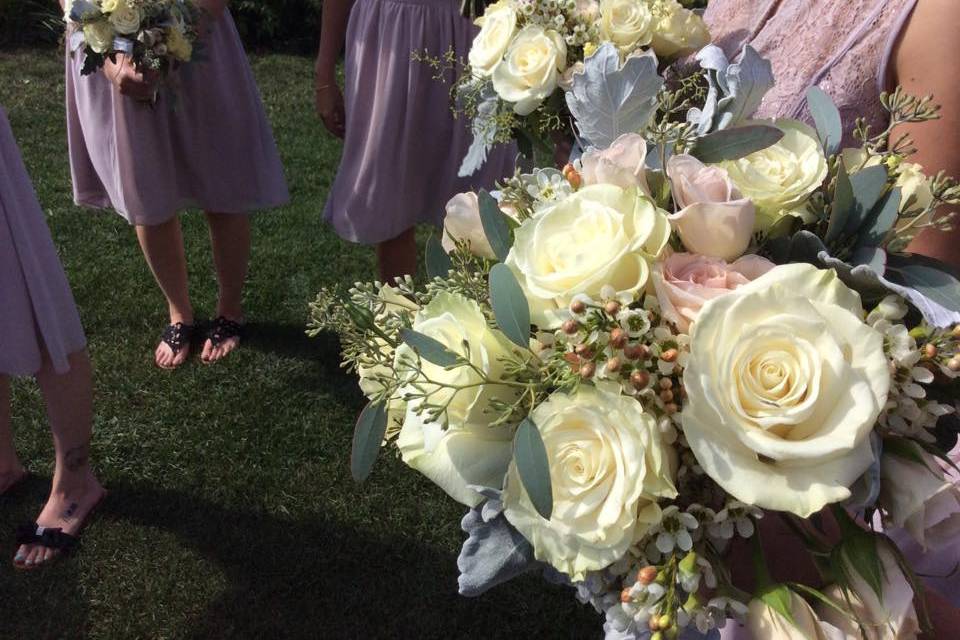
(925, 63)
(328, 98)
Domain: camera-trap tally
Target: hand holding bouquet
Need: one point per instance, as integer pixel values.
(156, 35)
(619, 368)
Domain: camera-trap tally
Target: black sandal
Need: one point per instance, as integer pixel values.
(177, 336)
(223, 329)
(49, 538)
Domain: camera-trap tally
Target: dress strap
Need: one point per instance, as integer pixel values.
(851, 41)
(883, 71)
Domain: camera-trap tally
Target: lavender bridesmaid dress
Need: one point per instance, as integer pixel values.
(37, 312)
(208, 146)
(403, 146)
(845, 48)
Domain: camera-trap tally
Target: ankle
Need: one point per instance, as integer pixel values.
(178, 315)
(230, 310)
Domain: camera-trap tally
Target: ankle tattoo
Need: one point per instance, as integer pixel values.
(71, 511)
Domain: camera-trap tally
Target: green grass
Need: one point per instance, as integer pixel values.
(232, 513)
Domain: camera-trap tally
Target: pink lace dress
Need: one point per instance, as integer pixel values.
(844, 47)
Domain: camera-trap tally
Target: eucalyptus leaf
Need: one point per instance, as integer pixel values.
(827, 118)
(868, 186)
(530, 456)
(875, 229)
(429, 349)
(607, 100)
(842, 205)
(367, 438)
(733, 144)
(873, 257)
(438, 262)
(510, 307)
(495, 225)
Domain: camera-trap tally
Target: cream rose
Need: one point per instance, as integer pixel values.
(785, 383)
(497, 28)
(126, 19)
(372, 375)
(684, 282)
(766, 623)
(677, 30)
(99, 35)
(601, 235)
(780, 178)
(890, 617)
(626, 23)
(531, 69)
(108, 6)
(469, 451)
(919, 498)
(714, 218)
(623, 164)
(462, 222)
(608, 467)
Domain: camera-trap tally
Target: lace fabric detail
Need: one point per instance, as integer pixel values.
(840, 45)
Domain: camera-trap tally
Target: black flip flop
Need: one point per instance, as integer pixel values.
(177, 336)
(223, 329)
(52, 538)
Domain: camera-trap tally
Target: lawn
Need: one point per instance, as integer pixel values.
(231, 511)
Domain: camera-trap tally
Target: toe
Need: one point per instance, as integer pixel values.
(47, 556)
(33, 554)
(21, 555)
(208, 350)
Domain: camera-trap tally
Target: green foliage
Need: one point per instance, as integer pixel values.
(30, 22)
(530, 456)
(495, 225)
(367, 437)
(279, 25)
(732, 144)
(510, 305)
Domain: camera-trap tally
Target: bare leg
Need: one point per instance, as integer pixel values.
(398, 256)
(11, 471)
(230, 239)
(75, 491)
(162, 246)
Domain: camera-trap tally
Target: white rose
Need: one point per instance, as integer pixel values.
(469, 451)
(608, 467)
(497, 28)
(766, 623)
(677, 31)
(372, 374)
(531, 69)
(463, 223)
(626, 23)
(785, 383)
(780, 178)
(919, 498)
(99, 36)
(623, 164)
(602, 235)
(892, 617)
(126, 19)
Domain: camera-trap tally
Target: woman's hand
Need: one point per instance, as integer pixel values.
(130, 82)
(329, 104)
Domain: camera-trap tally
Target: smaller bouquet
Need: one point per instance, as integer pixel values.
(526, 61)
(157, 35)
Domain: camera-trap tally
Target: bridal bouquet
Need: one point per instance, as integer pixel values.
(620, 368)
(528, 51)
(157, 35)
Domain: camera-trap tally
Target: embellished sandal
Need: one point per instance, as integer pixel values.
(223, 329)
(177, 336)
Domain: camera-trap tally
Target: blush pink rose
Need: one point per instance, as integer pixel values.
(714, 218)
(623, 164)
(684, 282)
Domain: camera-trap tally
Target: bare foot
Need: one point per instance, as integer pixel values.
(67, 511)
(223, 339)
(179, 334)
(13, 477)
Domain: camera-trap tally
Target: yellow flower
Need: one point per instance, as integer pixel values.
(178, 45)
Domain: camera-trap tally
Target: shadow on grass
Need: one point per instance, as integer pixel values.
(317, 578)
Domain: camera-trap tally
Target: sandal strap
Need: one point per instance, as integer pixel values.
(224, 329)
(177, 335)
(32, 533)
